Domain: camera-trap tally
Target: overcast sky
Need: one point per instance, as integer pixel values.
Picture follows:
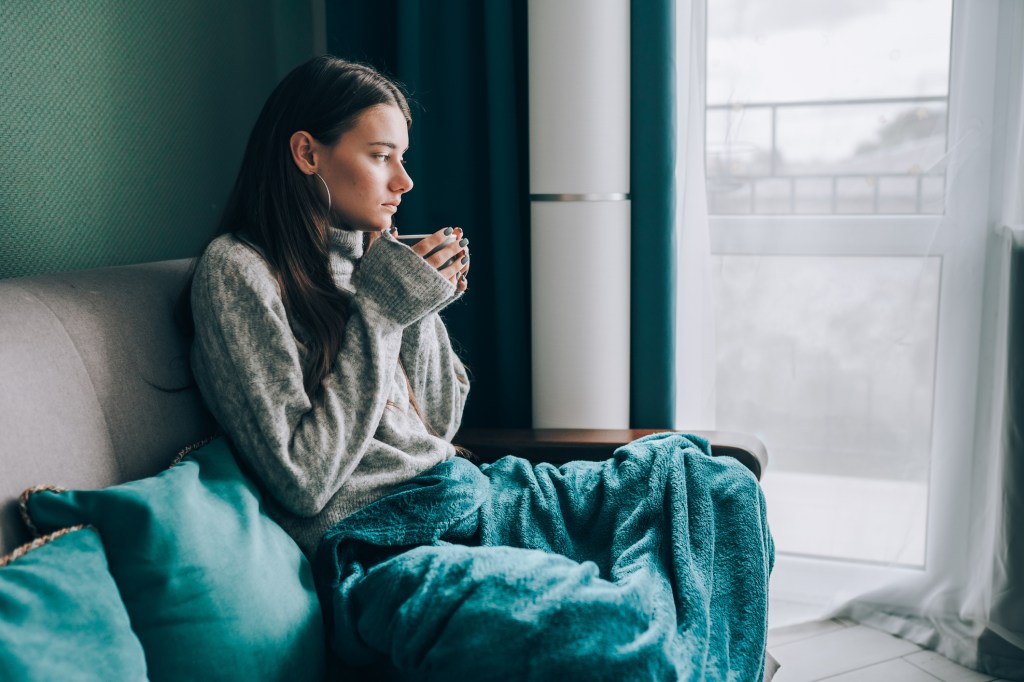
(798, 50)
(815, 49)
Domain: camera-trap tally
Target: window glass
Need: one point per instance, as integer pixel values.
(825, 107)
(831, 361)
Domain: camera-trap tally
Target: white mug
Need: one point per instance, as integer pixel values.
(414, 238)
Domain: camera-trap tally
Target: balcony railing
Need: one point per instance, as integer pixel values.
(806, 191)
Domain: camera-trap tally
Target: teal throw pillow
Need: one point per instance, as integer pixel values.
(215, 589)
(61, 617)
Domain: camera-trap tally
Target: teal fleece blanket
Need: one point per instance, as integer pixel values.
(651, 565)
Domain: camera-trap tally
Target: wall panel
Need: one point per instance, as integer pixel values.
(122, 124)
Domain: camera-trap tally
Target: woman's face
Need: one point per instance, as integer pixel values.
(365, 170)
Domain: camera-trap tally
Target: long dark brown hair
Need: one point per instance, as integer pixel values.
(277, 207)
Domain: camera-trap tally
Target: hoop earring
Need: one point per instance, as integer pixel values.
(328, 191)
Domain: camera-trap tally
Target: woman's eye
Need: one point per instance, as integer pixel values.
(382, 157)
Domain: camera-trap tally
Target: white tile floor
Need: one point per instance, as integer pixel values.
(851, 519)
(839, 650)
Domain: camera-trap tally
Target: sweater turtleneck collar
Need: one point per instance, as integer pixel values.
(346, 243)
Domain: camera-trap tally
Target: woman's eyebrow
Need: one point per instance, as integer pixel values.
(389, 145)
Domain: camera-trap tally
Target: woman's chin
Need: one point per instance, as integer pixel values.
(382, 226)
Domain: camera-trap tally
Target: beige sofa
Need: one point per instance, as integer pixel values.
(97, 390)
(95, 386)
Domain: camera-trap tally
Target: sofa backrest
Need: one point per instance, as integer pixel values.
(95, 384)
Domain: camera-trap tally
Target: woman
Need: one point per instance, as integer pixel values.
(334, 386)
(319, 349)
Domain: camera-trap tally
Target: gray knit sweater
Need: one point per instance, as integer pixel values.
(322, 459)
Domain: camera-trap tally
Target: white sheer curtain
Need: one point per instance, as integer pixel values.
(695, 323)
(965, 597)
(977, 617)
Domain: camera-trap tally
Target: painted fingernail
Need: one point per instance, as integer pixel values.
(463, 242)
(465, 259)
(447, 231)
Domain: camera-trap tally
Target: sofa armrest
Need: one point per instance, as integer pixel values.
(558, 446)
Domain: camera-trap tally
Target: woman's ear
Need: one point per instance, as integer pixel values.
(304, 151)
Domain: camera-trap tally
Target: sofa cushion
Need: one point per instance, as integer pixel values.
(61, 617)
(215, 589)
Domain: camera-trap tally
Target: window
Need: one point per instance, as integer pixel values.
(829, 159)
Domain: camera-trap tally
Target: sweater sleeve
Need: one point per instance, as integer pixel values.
(437, 376)
(248, 367)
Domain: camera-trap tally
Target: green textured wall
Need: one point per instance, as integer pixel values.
(122, 123)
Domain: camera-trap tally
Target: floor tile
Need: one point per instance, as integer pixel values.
(837, 652)
(945, 669)
(794, 633)
(784, 612)
(897, 670)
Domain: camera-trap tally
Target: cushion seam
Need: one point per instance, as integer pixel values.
(23, 504)
(39, 542)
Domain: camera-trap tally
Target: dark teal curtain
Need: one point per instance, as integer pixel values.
(996, 654)
(464, 64)
(653, 241)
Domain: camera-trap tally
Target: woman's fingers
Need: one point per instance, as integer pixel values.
(448, 251)
(432, 245)
(461, 282)
(460, 277)
(428, 244)
(458, 262)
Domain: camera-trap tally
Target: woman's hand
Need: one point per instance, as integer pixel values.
(457, 252)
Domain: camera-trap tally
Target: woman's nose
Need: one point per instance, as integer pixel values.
(402, 181)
